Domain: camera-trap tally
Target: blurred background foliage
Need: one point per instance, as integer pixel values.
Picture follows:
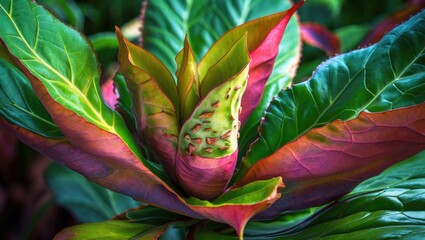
(35, 208)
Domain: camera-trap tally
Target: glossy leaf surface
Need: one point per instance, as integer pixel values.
(204, 22)
(330, 161)
(112, 229)
(155, 100)
(122, 178)
(65, 74)
(208, 139)
(346, 85)
(19, 104)
(388, 206)
(86, 200)
(188, 81)
(237, 206)
(264, 35)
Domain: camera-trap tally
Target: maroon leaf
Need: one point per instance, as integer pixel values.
(261, 66)
(328, 162)
(130, 179)
(411, 8)
(319, 36)
(205, 178)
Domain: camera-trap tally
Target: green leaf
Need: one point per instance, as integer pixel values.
(86, 200)
(237, 206)
(351, 36)
(204, 21)
(188, 82)
(155, 99)
(248, 194)
(151, 215)
(124, 101)
(234, 59)
(19, 104)
(113, 229)
(382, 77)
(104, 40)
(214, 122)
(63, 60)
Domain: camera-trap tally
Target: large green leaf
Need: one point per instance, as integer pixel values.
(155, 100)
(19, 104)
(113, 229)
(86, 200)
(204, 21)
(382, 77)
(62, 60)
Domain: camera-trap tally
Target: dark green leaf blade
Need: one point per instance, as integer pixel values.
(379, 78)
(19, 104)
(86, 200)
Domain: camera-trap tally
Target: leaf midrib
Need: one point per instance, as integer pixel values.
(99, 120)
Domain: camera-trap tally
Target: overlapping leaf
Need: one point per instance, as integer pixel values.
(64, 75)
(388, 206)
(379, 78)
(63, 71)
(19, 104)
(87, 201)
(330, 161)
(118, 230)
(155, 100)
(319, 36)
(165, 27)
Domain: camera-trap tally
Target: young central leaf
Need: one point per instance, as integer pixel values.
(207, 151)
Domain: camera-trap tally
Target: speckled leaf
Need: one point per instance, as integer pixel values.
(215, 120)
(155, 99)
(208, 139)
(382, 77)
(264, 36)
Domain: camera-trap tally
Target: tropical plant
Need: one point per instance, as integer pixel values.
(227, 141)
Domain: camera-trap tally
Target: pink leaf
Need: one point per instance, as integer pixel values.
(330, 161)
(109, 94)
(319, 36)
